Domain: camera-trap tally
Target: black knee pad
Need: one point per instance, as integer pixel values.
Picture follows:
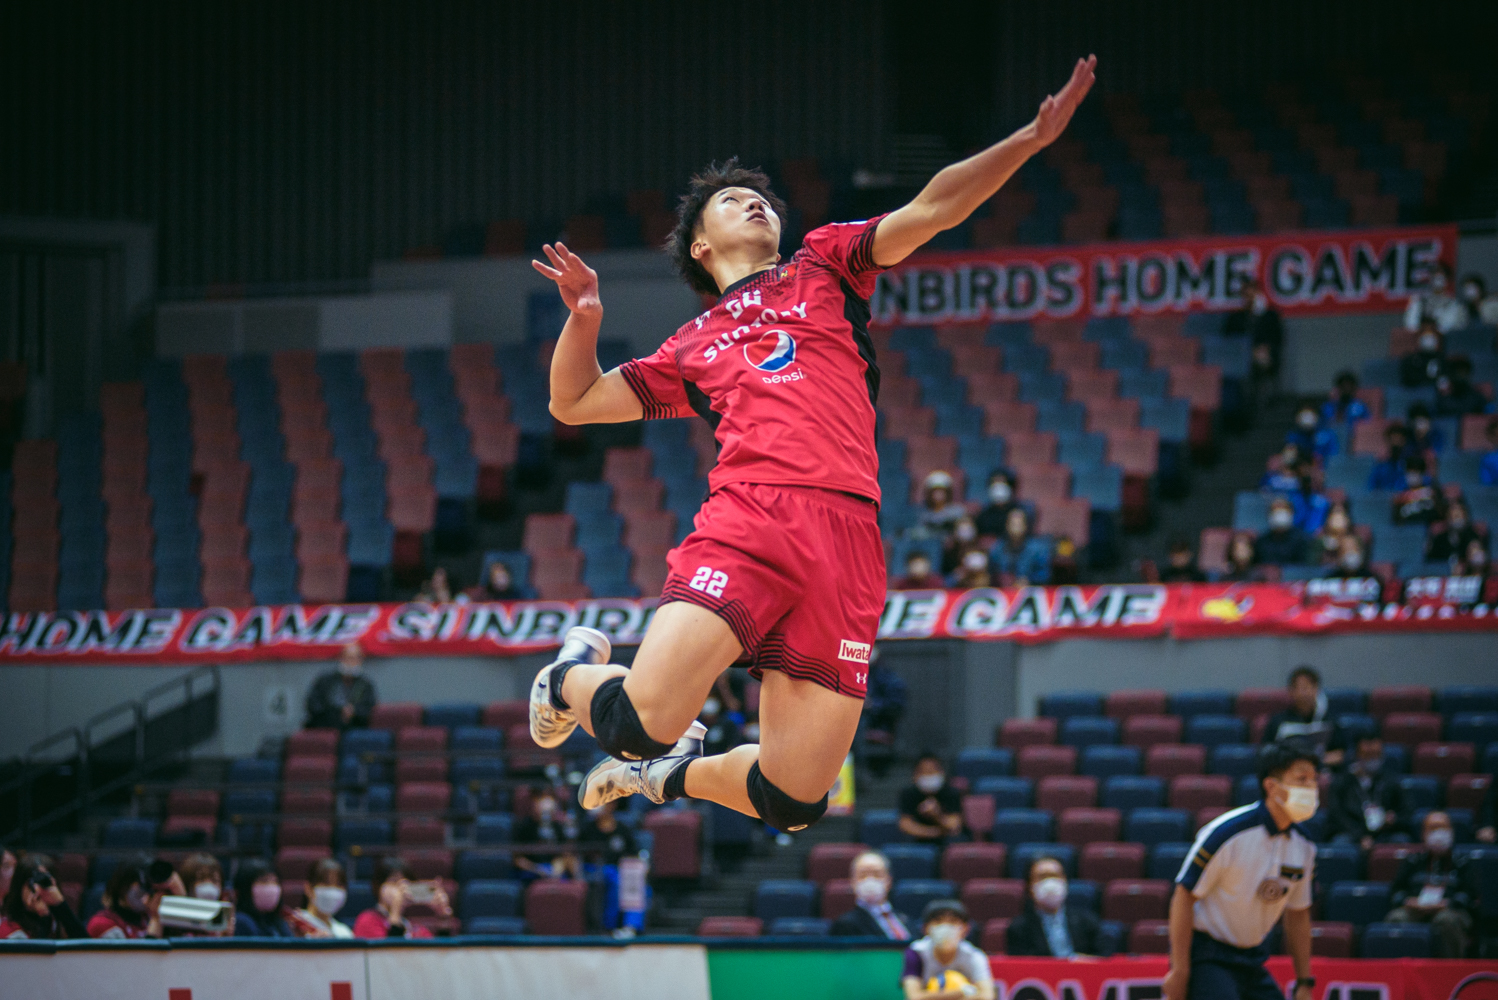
(617, 727)
(777, 808)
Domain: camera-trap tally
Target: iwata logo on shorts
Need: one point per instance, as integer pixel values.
(774, 350)
(858, 652)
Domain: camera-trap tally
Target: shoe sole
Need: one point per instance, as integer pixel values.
(601, 649)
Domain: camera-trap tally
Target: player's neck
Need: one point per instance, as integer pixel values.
(729, 271)
(1278, 813)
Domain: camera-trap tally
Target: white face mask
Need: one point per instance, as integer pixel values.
(1440, 839)
(1281, 519)
(975, 561)
(1000, 492)
(751, 732)
(918, 568)
(1301, 803)
(1428, 344)
(1260, 303)
(944, 935)
(1471, 293)
(930, 783)
(328, 899)
(1351, 560)
(870, 891)
(267, 897)
(1050, 893)
(712, 707)
(1307, 421)
(965, 531)
(206, 890)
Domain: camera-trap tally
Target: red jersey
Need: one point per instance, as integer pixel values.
(782, 368)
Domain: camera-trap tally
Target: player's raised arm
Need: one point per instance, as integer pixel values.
(581, 392)
(956, 191)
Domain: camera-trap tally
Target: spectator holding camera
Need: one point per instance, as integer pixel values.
(203, 878)
(132, 899)
(395, 893)
(34, 907)
(258, 909)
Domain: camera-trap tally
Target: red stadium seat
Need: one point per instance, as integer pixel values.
(995, 937)
(1253, 702)
(395, 714)
(986, 898)
(1026, 448)
(1444, 760)
(1205, 815)
(1151, 730)
(1105, 415)
(1130, 900)
(306, 832)
(294, 864)
(1166, 760)
(1104, 861)
(650, 530)
(678, 843)
(1331, 939)
(1123, 704)
(206, 826)
(1084, 826)
(429, 862)
(978, 814)
(1018, 733)
(1063, 791)
(423, 797)
(421, 739)
(622, 466)
(1468, 791)
(1004, 418)
(504, 714)
(548, 532)
(1411, 728)
(71, 867)
(831, 860)
(422, 831)
(1065, 518)
(1136, 450)
(1199, 791)
(309, 770)
(977, 361)
(1083, 385)
(421, 769)
(836, 898)
(307, 802)
(1398, 698)
(1035, 762)
(904, 423)
(312, 742)
(961, 863)
(730, 927)
(987, 387)
(324, 580)
(1384, 860)
(1149, 937)
(555, 907)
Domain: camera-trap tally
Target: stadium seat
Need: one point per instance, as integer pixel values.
(1021, 856)
(1398, 698)
(995, 937)
(983, 762)
(1129, 792)
(1166, 859)
(878, 827)
(1233, 759)
(1384, 860)
(1331, 939)
(1036, 762)
(911, 895)
(1084, 732)
(775, 898)
(1151, 826)
(1357, 903)
(1338, 863)
(1199, 791)
(1253, 702)
(1410, 729)
(977, 814)
(395, 715)
(1110, 761)
(836, 898)
(1083, 825)
(1129, 900)
(1457, 700)
(1059, 791)
(1124, 704)
(553, 906)
(1191, 703)
(492, 828)
(1148, 731)
(127, 832)
(1149, 937)
(678, 840)
(312, 743)
(453, 715)
(1063, 704)
(1007, 793)
(1017, 826)
(1444, 760)
(1215, 730)
(799, 927)
(486, 897)
(1103, 861)
(911, 861)
(831, 860)
(1170, 760)
(482, 863)
(987, 898)
(254, 771)
(1468, 791)
(1402, 940)
(961, 863)
(495, 926)
(1015, 734)
(1478, 728)
(730, 927)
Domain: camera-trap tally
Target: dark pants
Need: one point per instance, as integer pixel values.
(1222, 972)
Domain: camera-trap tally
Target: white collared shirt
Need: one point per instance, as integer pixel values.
(1244, 873)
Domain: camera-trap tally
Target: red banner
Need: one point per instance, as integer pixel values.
(1025, 615)
(1336, 979)
(1355, 270)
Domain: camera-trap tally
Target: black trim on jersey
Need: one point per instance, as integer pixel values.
(748, 279)
(856, 312)
(653, 408)
(862, 257)
(698, 401)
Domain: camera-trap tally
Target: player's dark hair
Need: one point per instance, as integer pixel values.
(1277, 758)
(1308, 672)
(938, 908)
(700, 188)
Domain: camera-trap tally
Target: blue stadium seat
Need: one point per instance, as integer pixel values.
(351, 833)
(878, 827)
(245, 802)
(1102, 487)
(1110, 761)
(367, 741)
(779, 897)
(471, 739)
(485, 897)
(1022, 855)
(482, 863)
(481, 770)
(1083, 731)
(1358, 903)
(1007, 792)
(1215, 730)
(1338, 863)
(798, 927)
(1247, 789)
(254, 771)
(1402, 940)
(588, 498)
(453, 714)
(1419, 791)
(1150, 826)
(495, 926)
(982, 762)
(1132, 792)
(911, 861)
(1084, 894)
(1477, 728)
(360, 897)
(492, 828)
(1233, 759)
(1346, 701)
(911, 895)
(1355, 727)
(1016, 826)
(1063, 704)
(1166, 858)
(1250, 510)
(125, 831)
(1189, 703)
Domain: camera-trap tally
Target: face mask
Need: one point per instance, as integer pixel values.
(975, 561)
(1458, 522)
(712, 707)
(1471, 293)
(1422, 427)
(547, 808)
(945, 935)
(870, 891)
(1301, 804)
(751, 732)
(919, 568)
(1050, 892)
(929, 783)
(328, 899)
(1000, 492)
(206, 890)
(1478, 558)
(1438, 282)
(1281, 519)
(1440, 839)
(1429, 344)
(267, 897)
(350, 669)
(135, 899)
(1351, 560)
(966, 532)
(1307, 421)
(1337, 522)
(1260, 303)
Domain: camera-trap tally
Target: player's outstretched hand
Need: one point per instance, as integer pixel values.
(577, 282)
(1057, 109)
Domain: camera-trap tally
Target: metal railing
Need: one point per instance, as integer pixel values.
(66, 773)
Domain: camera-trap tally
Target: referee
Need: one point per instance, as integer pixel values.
(1247, 868)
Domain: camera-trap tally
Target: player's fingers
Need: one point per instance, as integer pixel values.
(550, 272)
(551, 254)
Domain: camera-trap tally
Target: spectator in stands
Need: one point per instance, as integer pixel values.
(918, 574)
(1351, 562)
(1487, 816)
(1389, 474)
(257, 902)
(436, 590)
(939, 512)
(1047, 927)
(1260, 322)
(883, 706)
(498, 585)
(1344, 406)
(132, 897)
(1456, 396)
(1001, 501)
(33, 906)
(1310, 436)
(1435, 888)
(1420, 501)
(1181, 566)
(1282, 472)
(548, 823)
(342, 698)
(1240, 558)
(1427, 361)
(722, 734)
(1481, 307)
(1283, 544)
(1449, 538)
(945, 949)
(1487, 472)
(1436, 305)
(203, 878)
(1364, 799)
(7, 869)
(930, 808)
(873, 916)
(604, 839)
(395, 892)
(1476, 561)
(1304, 725)
(973, 572)
(956, 546)
(1425, 436)
(327, 891)
(1336, 527)
(1310, 505)
(1018, 557)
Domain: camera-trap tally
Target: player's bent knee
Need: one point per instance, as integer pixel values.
(616, 725)
(777, 808)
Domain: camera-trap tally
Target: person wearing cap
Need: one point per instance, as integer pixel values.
(342, 698)
(939, 512)
(944, 948)
(1249, 869)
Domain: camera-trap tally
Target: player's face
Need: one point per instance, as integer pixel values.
(738, 218)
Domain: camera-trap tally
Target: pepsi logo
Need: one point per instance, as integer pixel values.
(774, 350)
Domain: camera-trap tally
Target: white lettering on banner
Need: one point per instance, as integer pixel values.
(986, 611)
(858, 652)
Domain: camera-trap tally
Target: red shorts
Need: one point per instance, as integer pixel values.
(798, 574)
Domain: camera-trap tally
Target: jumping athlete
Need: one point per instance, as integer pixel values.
(784, 567)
